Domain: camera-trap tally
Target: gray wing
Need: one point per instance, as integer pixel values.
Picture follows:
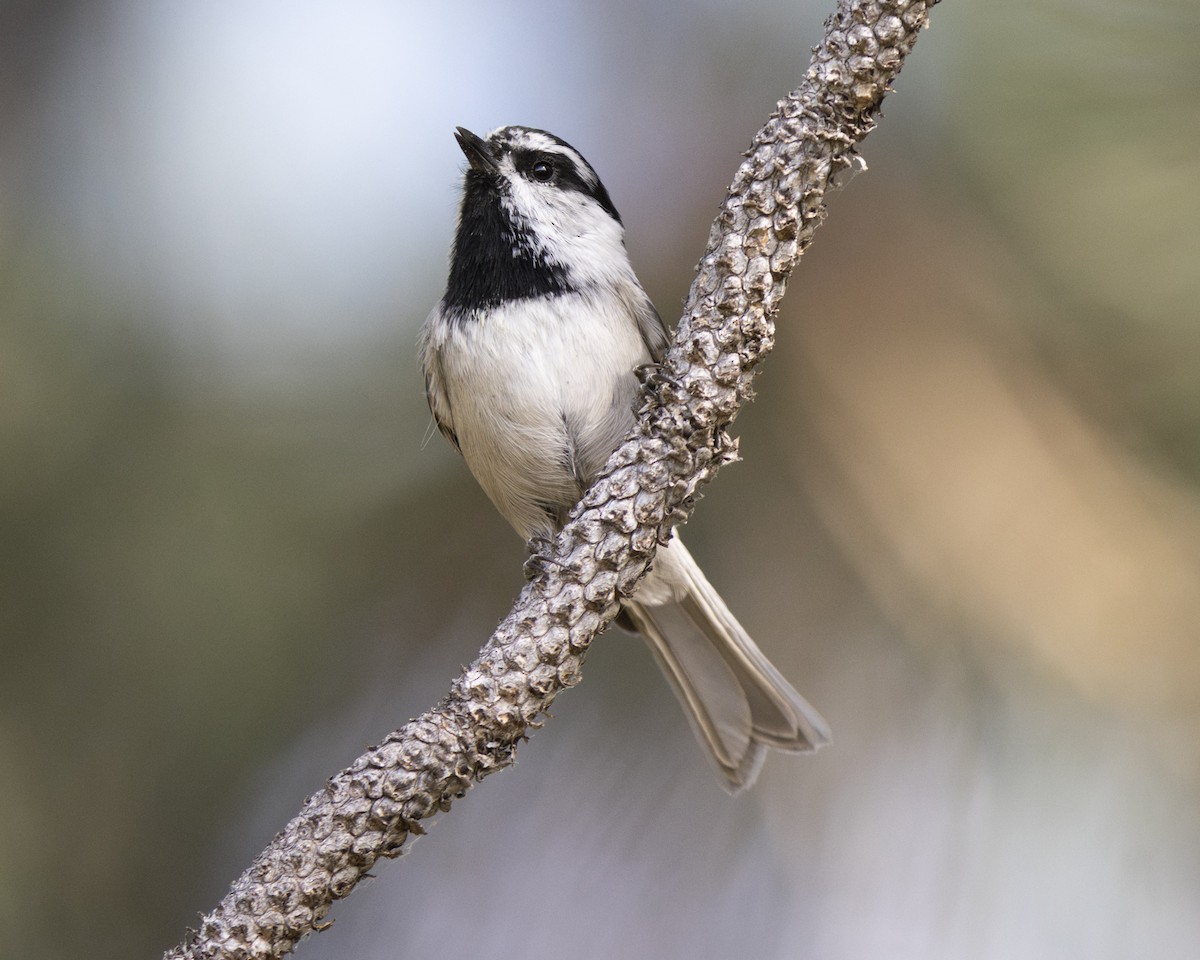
(653, 330)
(435, 387)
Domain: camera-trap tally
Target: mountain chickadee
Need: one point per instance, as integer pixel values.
(529, 364)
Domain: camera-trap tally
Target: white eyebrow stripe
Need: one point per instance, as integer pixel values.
(581, 166)
(527, 139)
(545, 144)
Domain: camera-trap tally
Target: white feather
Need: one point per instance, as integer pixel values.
(530, 381)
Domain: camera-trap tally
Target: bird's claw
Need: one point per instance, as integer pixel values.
(538, 560)
(651, 374)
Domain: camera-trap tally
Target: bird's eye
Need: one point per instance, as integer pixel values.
(542, 171)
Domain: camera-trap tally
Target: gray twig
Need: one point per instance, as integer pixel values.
(774, 205)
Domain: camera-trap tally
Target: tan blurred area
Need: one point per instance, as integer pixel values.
(233, 553)
(972, 491)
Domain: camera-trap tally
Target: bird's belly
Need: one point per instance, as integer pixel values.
(541, 393)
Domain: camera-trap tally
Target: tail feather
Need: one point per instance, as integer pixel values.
(737, 702)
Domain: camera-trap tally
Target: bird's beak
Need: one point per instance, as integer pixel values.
(479, 152)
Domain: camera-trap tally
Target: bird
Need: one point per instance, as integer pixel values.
(531, 362)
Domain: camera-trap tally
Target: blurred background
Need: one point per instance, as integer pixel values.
(967, 525)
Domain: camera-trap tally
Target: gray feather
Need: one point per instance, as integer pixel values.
(736, 701)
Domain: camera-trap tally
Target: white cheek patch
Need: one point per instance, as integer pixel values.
(570, 230)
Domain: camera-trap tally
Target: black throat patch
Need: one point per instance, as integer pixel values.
(492, 262)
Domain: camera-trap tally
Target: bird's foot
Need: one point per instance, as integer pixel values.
(538, 560)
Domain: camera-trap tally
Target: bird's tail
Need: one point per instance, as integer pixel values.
(737, 702)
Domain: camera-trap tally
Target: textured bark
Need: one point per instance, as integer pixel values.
(774, 205)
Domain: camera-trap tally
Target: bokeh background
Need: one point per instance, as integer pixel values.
(967, 524)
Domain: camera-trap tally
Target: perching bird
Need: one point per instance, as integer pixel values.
(529, 364)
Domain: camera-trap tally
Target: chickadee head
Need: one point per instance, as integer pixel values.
(535, 221)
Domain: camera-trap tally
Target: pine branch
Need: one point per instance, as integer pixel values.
(774, 205)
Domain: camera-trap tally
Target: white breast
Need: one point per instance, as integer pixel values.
(539, 390)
